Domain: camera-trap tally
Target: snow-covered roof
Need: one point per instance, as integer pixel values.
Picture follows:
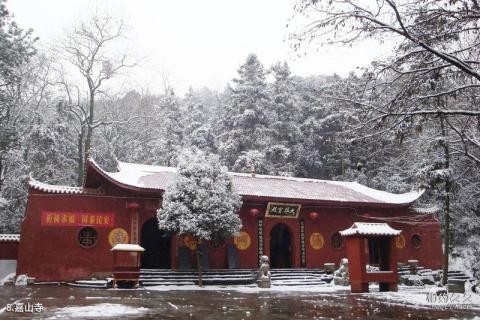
(150, 177)
(60, 189)
(127, 247)
(370, 229)
(9, 238)
(429, 210)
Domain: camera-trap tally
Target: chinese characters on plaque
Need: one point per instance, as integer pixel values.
(282, 210)
(72, 219)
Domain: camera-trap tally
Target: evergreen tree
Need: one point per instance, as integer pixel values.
(244, 123)
(285, 115)
(201, 202)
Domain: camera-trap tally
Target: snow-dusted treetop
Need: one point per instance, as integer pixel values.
(200, 201)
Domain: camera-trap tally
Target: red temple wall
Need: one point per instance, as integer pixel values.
(8, 250)
(52, 253)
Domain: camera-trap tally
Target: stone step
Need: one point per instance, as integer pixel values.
(151, 277)
(167, 283)
(196, 270)
(184, 276)
(464, 277)
(194, 274)
(207, 281)
(290, 277)
(297, 283)
(94, 284)
(298, 270)
(286, 276)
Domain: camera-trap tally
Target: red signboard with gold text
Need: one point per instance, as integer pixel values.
(72, 219)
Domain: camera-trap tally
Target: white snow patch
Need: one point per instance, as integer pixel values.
(465, 261)
(427, 297)
(103, 310)
(8, 277)
(128, 178)
(92, 281)
(370, 228)
(172, 305)
(3, 202)
(383, 196)
(145, 168)
(22, 280)
(9, 237)
(127, 247)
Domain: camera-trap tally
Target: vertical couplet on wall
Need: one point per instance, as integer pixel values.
(133, 206)
(302, 243)
(260, 240)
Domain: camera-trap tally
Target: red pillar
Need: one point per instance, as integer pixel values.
(356, 263)
(392, 264)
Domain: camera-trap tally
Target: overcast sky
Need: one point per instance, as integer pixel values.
(191, 42)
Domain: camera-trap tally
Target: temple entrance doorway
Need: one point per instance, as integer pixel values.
(157, 245)
(280, 247)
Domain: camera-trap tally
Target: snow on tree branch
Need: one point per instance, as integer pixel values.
(201, 202)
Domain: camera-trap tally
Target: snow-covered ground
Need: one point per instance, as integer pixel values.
(419, 296)
(427, 297)
(101, 310)
(463, 262)
(234, 302)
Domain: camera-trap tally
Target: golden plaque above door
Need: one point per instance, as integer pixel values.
(282, 210)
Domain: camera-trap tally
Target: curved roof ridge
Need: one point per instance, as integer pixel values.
(398, 198)
(125, 178)
(426, 210)
(127, 166)
(50, 188)
(155, 178)
(9, 237)
(370, 228)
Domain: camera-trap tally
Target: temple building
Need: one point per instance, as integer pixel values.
(68, 232)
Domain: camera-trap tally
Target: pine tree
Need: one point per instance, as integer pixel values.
(244, 124)
(285, 114)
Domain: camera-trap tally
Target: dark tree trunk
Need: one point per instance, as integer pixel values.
(199, 265)
(446, 249)
(80, 162)
(89, 126)
(1, 171)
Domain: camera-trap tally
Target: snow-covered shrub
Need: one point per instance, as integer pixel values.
(201, 201)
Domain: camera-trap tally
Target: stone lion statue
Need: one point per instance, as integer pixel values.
(264, 276)
(341, 276)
